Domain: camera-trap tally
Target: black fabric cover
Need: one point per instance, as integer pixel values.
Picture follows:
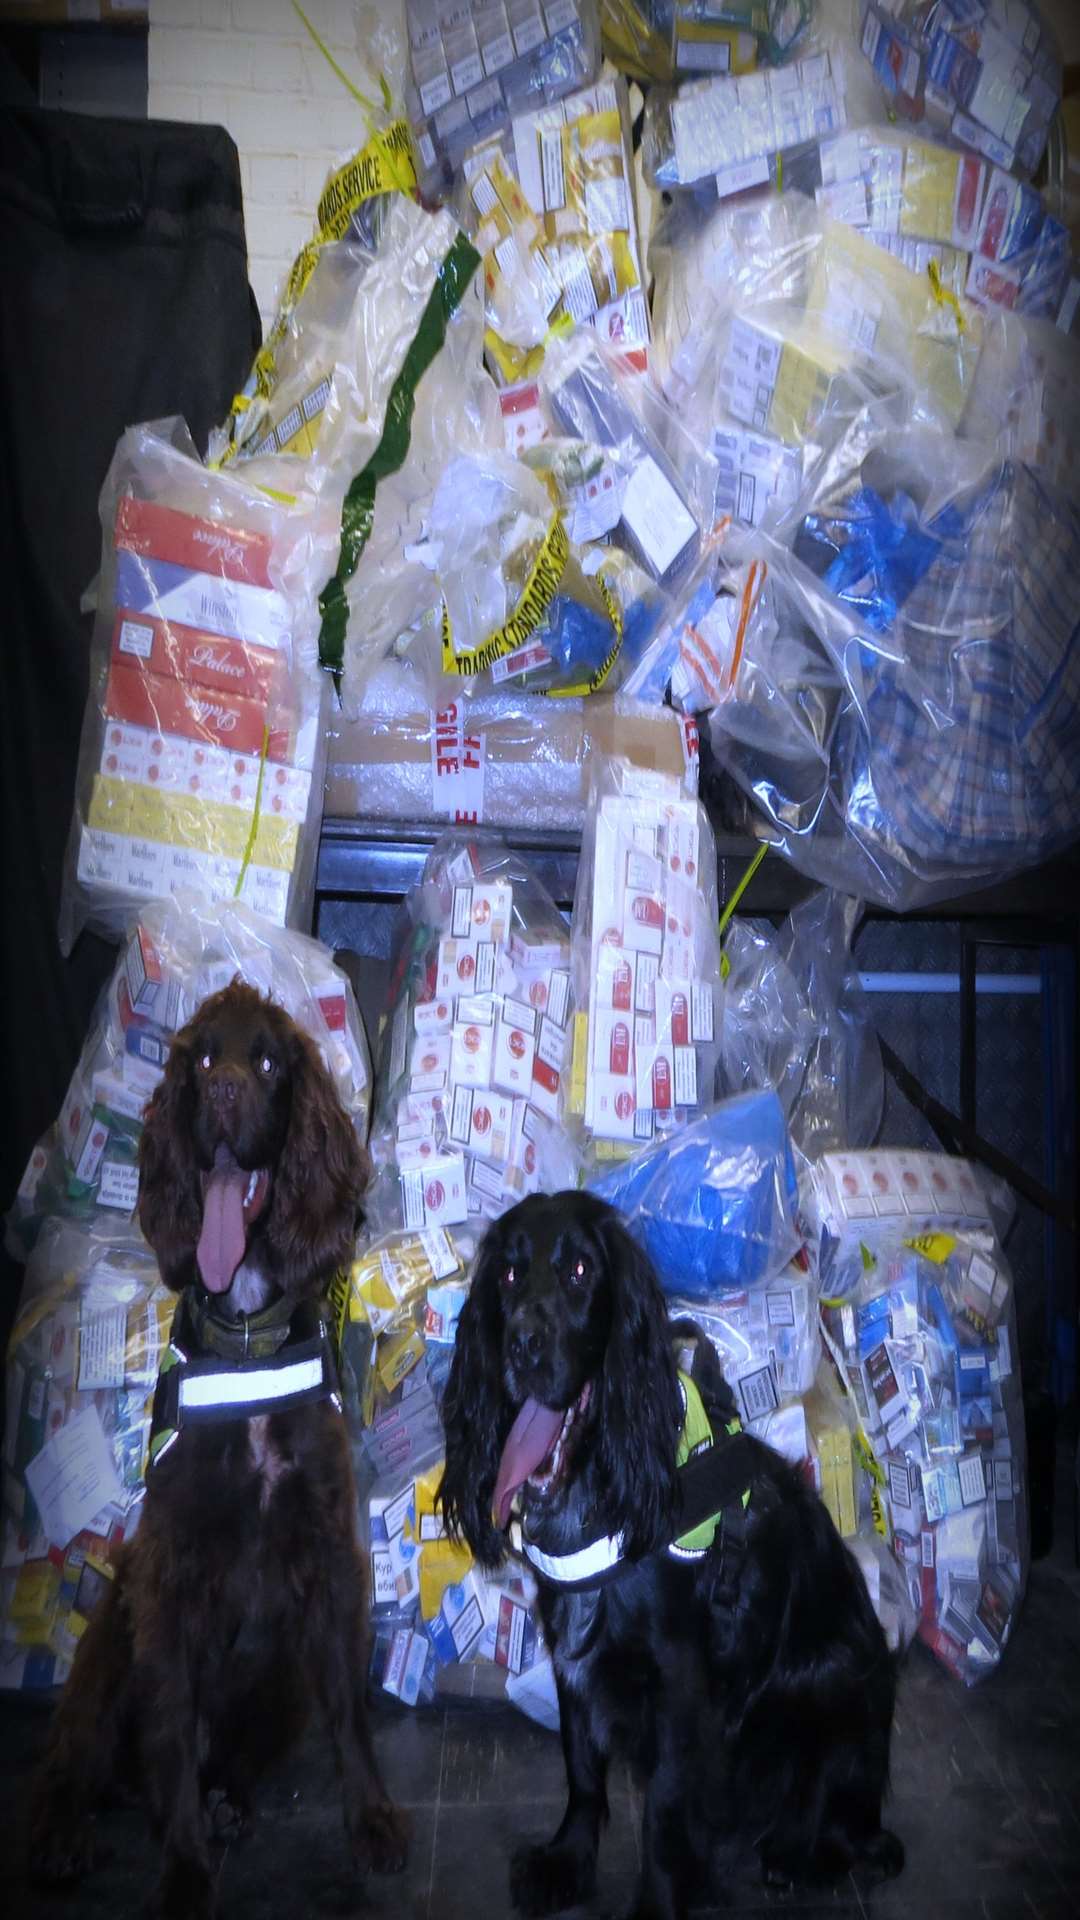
(123, 297)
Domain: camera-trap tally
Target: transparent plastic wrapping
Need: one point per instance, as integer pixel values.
(849, 1478)
(863, 1202)
(82, 1363)
(988, 235)
(734, 131)
(928, 1342)
(319, 370)
(804, 330)
(316, 402)
(767, 1341)
(905, 723)
(395, 1317)
(507, 759)
(176, 953)
(630, 471)
(646, 962)
(558, 230)
(713, 1202)
(708, 36)
(1026, 399)
(516, 604)
(473, 69)
(201, 758)
(795, 1017)
(471, 1083)
(988, 76)
(637, 37)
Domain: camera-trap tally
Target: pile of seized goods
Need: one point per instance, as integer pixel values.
(668, 429)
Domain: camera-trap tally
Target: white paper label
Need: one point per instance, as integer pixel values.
(73, 1477)
(102, 1342)
(119, 1186)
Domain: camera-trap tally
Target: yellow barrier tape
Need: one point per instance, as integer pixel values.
(250, 847)
(742, 886)
(385, 164)
(945, 296)
(537, 595)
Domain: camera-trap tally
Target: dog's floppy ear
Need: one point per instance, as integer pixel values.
(639, 1412)
(170, 1190)
(476, 1413)
(320, 1177)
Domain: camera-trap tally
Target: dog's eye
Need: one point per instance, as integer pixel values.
(266, 1064)
(577, 1275)
(510, 1279)
(206, 1062)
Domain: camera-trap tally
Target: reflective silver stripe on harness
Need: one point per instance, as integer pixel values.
(586, 1563)
(249, 1385)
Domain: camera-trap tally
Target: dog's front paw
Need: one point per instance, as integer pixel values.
(184, 1892)
(380, 1837)
(61, 1848)
(547, 1879)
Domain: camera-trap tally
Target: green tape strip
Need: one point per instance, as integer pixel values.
(358, 508)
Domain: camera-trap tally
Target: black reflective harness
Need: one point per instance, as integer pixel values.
(215, 1369)
(708, 1520)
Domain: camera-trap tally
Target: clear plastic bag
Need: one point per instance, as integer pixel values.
(861, 1202)
(471, 1085)
(501, 759)
(735, 36)
(795, 1017)
(177, 952)
(732, 130)
(516, 605)
(646, 484)
(646, 961)
(805, 330)
(989, 77)
(928, 1340)
(82, 1363)
(767, 1341)
(905, 722)
(988, 235)
(395, 1317)
(200, 763)
(713, 1202)
(473, 69)
(317, 400)
(558, 229)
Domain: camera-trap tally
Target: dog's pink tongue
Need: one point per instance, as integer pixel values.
(223, 1237)
(529, 1441)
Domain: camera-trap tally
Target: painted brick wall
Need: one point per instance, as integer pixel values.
(249, 66)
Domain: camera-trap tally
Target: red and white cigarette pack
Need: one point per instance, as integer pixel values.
(479, 1043)
(204, 722)
(649, 913)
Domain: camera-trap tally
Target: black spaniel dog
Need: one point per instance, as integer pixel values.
(242, 1597)
(732, 1655)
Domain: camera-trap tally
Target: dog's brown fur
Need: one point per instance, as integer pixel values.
(243, 1592)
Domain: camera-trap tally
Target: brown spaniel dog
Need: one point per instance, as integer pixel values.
(243, 1592)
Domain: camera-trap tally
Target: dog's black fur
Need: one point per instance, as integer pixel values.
(242, 1598)
(753, 1691)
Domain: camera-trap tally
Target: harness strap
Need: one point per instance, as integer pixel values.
(197, 1389)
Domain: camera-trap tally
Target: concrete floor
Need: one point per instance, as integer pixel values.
(986, 1796)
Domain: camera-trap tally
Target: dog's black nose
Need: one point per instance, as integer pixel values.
(526, 1342)
(224, 1089)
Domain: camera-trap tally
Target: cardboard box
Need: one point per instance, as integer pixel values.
(535, 762)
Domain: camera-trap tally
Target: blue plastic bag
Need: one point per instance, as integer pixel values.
(714, 1204)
